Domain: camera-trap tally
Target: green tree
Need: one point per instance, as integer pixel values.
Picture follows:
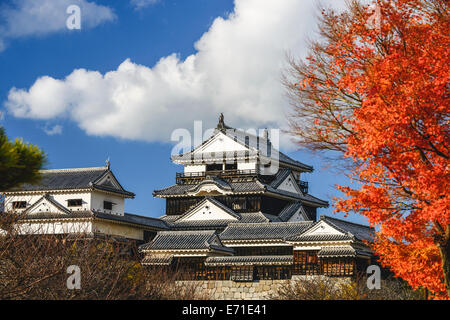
(19, 162)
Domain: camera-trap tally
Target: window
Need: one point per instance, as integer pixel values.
(231, 166)
(242, 273)
(214, 167)
(19, 204)
(107, 205)
(239, 204)
(74, 202)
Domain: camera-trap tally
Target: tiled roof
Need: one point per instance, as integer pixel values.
(249, 260)
(157, 259)
(47, 215)
(68, 179)
(346, 251)
(245, 217)
(240, 137)
(201, 225)
(236, 187)
(359, 231)
(286, 159)
(255, 217)
(134, 219)
(127, 218)
(185, 240)
(349, 230)
(290, 210)
(211, 180)
(281, 175)
(113, 189)
(319, 237)
(263, 231)
(169, 218)
(304, 197)
(254, 186)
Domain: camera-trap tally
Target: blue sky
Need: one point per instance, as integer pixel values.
(139, 69)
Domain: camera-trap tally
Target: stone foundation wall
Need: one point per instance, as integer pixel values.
(232, 290)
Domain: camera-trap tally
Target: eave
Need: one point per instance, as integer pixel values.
(125, 194)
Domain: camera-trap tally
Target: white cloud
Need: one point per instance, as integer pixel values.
(139, 4)
(236, 70)
(41, 17)
(56, 129)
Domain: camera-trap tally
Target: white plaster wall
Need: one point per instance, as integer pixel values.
(223, 143)
(251, 165)
(97, 199)
(298, 216)
(322, 228)
(195, 168)
(61, 198)
(115, 229)
(289, 185)
(54, 227)
(213, 212)
(90, 201)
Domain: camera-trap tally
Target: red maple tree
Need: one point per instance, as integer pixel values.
(378, 91)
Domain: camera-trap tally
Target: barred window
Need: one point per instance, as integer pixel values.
(74, 202)
(107, 205)
(19, 204)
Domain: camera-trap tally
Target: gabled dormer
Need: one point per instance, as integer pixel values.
(209, 209)
(234, 149)
(46, 205)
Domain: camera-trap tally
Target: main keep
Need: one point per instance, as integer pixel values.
(240, 211)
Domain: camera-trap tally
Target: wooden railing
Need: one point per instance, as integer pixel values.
(303, 186)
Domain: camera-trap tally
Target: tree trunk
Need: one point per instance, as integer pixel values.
(442, 241)
(445, 254)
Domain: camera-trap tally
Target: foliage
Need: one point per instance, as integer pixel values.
(35, 267)
(325, 288)
(19, 162)
(377, 92)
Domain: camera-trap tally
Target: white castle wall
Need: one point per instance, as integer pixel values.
(97, 199)
(90, 201)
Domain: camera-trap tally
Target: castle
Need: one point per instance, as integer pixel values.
(238, 211)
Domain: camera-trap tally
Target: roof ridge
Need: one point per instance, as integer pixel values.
(74, 169)
(195, 232)
(345, 221)
(272, 223)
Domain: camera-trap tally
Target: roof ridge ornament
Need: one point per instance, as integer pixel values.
(221, 124)
(108, 163)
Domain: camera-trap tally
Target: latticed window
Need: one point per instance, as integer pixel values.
(273, 272)
(338, 266)
(306, 262)
(242, 273)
